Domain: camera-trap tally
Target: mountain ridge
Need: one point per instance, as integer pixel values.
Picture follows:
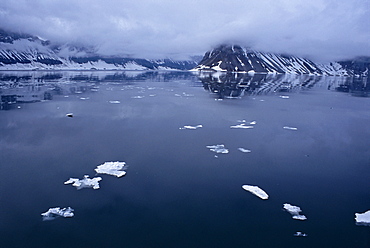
(234, 58)
(28, 52)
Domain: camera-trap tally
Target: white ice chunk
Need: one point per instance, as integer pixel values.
(191, 127)
(241, 126)
(363, 219)
(294, 211)
(112, 168)
(290, 128)
(244, 150)
(250, 123)
(52, 213)
(114, 102)
(284, 97)
(137, 97)
(218, 149)
(256, 191)
(300, 234)
(86, 182)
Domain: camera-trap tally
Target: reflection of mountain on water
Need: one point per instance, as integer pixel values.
(358, 86)
(235, 85)
(27, 87)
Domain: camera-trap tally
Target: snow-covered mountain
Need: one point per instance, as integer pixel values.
(27, 52)
(234, 58)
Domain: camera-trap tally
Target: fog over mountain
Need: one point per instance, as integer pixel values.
(321, 30)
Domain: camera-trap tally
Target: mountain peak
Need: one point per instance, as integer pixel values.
(234, 58)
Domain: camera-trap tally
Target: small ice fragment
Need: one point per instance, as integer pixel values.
(299, 217)
(191, 127)
(294, 211)
(290, 128)
(284, 97)
(69, 115)
(218, 149)
(187, 95)
(84, 98)
(300, 234)
(52, 213)
(244, 150)
(363, 219)
(256, 191)
(137, 97)
(241, 126)
(112, 168)
(253, 122)
(86, 182)
(114, 102)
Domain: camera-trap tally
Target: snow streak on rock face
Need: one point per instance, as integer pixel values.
(363, 219)
(233, 58)
(294, 211)
(86, 182)
(53, 213)
(218, 149)
(256, 191)
(112, 168)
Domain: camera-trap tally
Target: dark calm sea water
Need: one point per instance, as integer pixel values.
(176, 193)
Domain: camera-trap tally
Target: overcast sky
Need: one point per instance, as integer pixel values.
(317, 29)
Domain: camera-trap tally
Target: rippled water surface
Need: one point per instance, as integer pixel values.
(307, 144)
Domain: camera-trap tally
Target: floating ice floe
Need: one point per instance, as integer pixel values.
(137, 97)
(244, 150)
(112, 168)
(86, 182)
(294, 211)
(53, 213)
(114, 102)
(363, 219)
(84, 98)
(243, 125)
(300, 234)
(284, 97)
(291, 128)
(218, 149)
(191, 127)
(256, 191)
